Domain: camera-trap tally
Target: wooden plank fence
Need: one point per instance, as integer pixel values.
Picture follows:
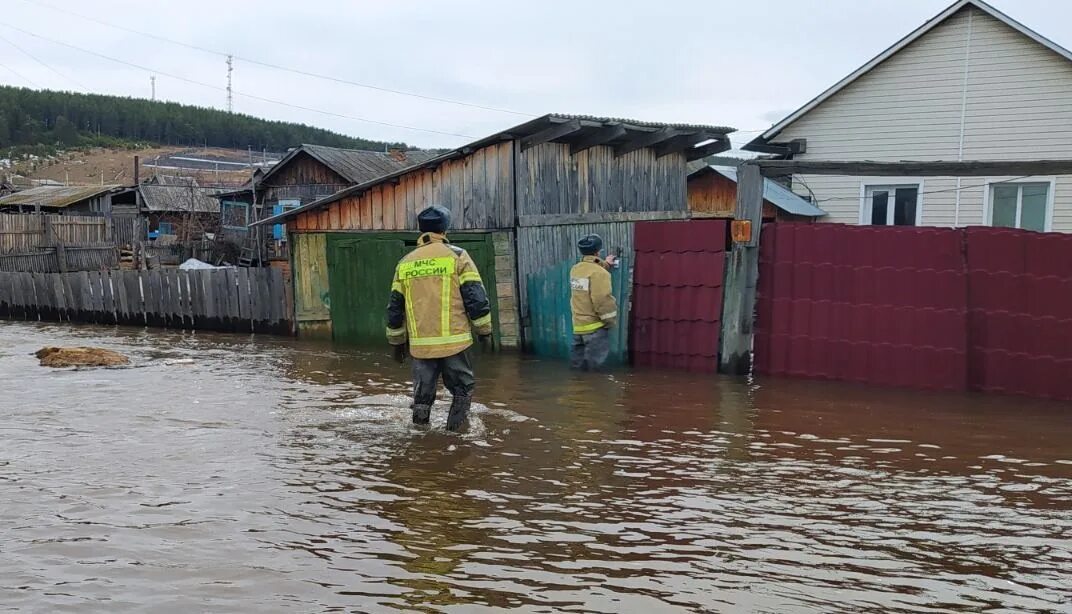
(229, 300)
(20, 233)
(62, 259)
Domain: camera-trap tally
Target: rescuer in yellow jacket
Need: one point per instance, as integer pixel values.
(594, 310)
(437, 298)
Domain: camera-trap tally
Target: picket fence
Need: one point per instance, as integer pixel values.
(231, 300)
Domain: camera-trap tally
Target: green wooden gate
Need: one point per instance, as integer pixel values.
(552, 322)
(361, 267)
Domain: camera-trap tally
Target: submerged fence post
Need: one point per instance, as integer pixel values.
(742, 273)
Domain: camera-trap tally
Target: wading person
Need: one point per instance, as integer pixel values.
(437, 299)
(594, 310)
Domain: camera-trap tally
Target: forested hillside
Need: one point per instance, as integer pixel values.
(43, 117)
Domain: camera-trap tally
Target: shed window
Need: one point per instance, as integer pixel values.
(891, 205)
(234, 215)
(1020, 205)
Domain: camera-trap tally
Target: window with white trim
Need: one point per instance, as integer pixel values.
(1020, 205)
(891, 205)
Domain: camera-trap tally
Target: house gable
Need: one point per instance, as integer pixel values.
(971, 62)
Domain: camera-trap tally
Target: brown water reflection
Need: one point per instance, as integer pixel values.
(273, 475)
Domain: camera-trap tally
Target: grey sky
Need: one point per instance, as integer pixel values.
(715, 62)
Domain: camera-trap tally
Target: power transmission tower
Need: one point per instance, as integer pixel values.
(230, 69)
(152, 83)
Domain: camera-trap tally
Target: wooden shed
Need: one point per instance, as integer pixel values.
(712, 192)
(520, 199)
(64, 200)
(308, 173)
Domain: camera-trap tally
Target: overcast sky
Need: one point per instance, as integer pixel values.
(741, 64)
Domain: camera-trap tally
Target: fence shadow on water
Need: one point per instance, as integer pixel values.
(228, 300)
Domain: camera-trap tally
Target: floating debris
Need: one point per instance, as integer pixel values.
(79, 357)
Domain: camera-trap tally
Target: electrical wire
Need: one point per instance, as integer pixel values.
(35, 59)
(237, 93)
(924, 193)
(19, 75)
(281, 67)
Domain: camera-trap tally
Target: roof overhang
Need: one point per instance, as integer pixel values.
(579, 131)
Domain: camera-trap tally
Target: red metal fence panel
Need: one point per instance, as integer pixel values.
(967, 309)
(868, 304)
(677, 294)
(1020, 324)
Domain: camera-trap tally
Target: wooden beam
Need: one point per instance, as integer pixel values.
(647, 139)
(742, 274)
(549, 134)
(750, 199)
(681, 142)
(597, 137)
(716, 147)
(557, 219)
(1025, 168)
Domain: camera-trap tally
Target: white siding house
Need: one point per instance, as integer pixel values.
(970, 84)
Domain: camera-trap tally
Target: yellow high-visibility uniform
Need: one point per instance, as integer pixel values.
(591, 301)
(436, 293)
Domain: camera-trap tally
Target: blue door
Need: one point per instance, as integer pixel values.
(279, 231)
(551, 331)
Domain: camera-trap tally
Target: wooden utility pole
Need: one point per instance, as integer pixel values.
(742, 273)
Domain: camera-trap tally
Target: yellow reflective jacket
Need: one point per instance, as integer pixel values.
(591, 301)
(436, 292)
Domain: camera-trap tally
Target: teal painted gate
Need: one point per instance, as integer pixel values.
(551, 324)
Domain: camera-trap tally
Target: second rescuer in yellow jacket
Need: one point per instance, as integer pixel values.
(594, 309)
(437, 299)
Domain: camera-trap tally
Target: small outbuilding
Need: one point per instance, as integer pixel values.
(520, 199)
(64, 200)
(713, 193)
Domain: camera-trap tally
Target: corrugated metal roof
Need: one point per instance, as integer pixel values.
(775, 193)
(56, 196)
(178, 194)
(526, 129)
(644, 124)
(355, 165)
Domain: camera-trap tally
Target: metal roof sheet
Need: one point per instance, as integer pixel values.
(56, 196)
(178, 194)
(355, 165)
(677, 294)
(776, 193)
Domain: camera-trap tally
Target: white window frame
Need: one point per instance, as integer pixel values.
(889, 182)
(988, 205)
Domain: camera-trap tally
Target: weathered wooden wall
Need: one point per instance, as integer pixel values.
(312, 301)
(478, 189)
(304, 178)
(552, 181)
(712, 194)
(128, 229)
(233, 300)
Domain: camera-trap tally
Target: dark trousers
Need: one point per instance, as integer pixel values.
(589, 352)
(457, 374)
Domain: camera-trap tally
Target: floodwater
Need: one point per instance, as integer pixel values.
(225, 473)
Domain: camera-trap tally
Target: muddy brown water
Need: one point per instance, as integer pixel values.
(272, 475)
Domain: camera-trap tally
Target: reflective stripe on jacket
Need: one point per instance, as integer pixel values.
(591, 301)
(436, 293)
